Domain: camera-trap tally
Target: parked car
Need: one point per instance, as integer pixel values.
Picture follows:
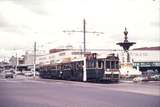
(139, 79)
(19, 73)
(29, 73)
(37, 73)
(9, 74)
(155, 77)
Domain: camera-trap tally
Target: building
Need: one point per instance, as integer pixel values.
(4, 65)
(147, 58)
(63, 55)
(13, 61)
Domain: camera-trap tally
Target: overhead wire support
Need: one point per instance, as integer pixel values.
(84, 34)
(72, 31)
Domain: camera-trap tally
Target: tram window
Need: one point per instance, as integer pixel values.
(81, 64)
(117, 65)
(90, 64)
(112, 64)
(77, 66)
(93, 64)
(99, 64)
(107, 64)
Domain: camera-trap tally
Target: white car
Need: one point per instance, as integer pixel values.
(19, 73)
(28, 74)
(155, 77)
(139, 79)
(37, 73)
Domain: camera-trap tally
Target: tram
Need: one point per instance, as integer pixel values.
(97, 69)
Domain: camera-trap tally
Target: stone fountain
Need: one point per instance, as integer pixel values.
(126, 65)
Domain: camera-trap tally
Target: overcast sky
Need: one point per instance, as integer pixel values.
(24, 21)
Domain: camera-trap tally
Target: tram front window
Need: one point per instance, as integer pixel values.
(107, 65)
(117, 65)
(112, 64)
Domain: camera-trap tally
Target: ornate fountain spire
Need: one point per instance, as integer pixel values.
(125, 33)
(126, 44)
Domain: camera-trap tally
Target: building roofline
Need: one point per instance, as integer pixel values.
(148, 48)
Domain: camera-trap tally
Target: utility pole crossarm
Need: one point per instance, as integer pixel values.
(72, 31)
(95, 32)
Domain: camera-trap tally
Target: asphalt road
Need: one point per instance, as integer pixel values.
(53, 93)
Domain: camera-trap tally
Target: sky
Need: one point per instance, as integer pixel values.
(23, 22)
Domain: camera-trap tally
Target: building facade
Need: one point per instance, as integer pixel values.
(58, 57)
(145, 58)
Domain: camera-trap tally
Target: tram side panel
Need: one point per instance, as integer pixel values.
(94, 74)
(74, 71)
(49, 73)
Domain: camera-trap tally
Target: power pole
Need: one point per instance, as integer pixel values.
(16, 62)
(34, 60)
(84, 46)
(84, 37)
(84, 34)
